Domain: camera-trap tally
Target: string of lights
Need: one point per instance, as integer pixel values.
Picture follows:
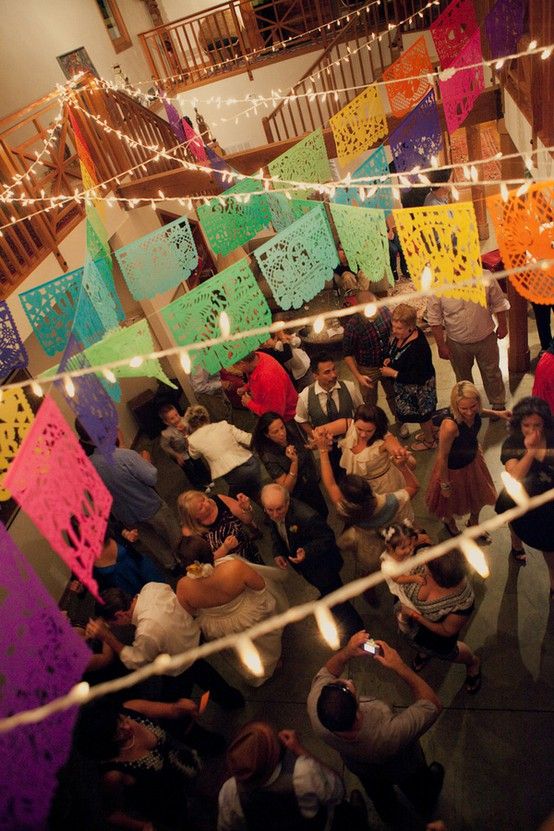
(317, 321)
(243, 643)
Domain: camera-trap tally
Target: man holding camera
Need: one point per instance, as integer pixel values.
(379, 746)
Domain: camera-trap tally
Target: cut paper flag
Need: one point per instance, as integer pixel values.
(404, 94)
(285, 211)
(505, 24)
(195, 145)
(159, 261)
(89, 174)
(460, 92)
(194, 317)
(51, 308)
(220, 168)
(42, 658)
(443, 238)
(305, 162)
(54, 482)
(13, 354)
(127, 343)
(90, 402)
(97, 236)
(231, 222)
(359, 125)
(523, 227)
(363, 236)
(105, 302)
(452, 30)
(173, 117)
(16, 416)
(297, 261)
(418, 137)
(371, 172)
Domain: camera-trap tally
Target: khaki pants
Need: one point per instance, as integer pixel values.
(485, 352)
(370, 395)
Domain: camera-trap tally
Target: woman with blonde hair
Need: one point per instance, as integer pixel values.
(411, 367)
(460, 481)
(226, 451)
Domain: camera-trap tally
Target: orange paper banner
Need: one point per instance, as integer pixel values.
(525, 234)
(404, 95)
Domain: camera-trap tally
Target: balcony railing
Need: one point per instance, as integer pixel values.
(24, 244)
(237, 36)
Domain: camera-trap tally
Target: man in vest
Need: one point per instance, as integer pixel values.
(326, 400)
(275, 783)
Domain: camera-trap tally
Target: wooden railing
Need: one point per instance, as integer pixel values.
(24, 244)
(235, 36)
(345, 66)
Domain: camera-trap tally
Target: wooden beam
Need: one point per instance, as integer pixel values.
(178, 182)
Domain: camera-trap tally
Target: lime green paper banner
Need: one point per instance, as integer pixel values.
(363, 235)
(231, 222)
(126, 343)
(305, 162)
(195, 316)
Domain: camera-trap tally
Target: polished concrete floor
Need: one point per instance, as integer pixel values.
(496, 746)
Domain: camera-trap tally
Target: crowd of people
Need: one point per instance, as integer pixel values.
(332, 477)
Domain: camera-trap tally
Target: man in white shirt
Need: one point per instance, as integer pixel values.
(275, 783)
(379, 746)
(465, 332)
(162, 626)
(326, 400)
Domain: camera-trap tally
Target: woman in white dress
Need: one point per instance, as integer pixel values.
(230, 597)
(369, 450)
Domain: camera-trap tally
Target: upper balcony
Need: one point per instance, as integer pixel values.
(240, 35)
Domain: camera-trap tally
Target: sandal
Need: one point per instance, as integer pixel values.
(419, 661)
(473, 682)
(451, 531)
(421, 446)
(484, 538)
(519, 556)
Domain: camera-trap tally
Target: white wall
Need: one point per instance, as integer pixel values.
(34, 32)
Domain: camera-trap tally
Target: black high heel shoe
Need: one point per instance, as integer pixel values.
(519, 556)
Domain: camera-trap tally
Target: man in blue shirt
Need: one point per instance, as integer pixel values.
(131, 481)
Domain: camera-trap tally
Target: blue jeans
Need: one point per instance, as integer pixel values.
(246, 478)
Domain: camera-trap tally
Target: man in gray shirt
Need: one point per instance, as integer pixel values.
(379, 746)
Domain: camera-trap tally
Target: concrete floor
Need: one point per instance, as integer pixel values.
(496, 745)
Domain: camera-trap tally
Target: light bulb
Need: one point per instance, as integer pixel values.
(250, 656)
(319, 323)
(515, 489)
(137, 361)
(224, 324)
(327, 626)
(37, 389)
(184, 357)
(475, 556)
(109, 375)
(370, 310)
(80, 692)
(69, 386)
(426, 278)
(504, 192)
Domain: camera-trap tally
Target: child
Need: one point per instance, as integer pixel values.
(401, 542)
(174, 442)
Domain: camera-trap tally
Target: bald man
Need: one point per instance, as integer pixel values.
(302, 539)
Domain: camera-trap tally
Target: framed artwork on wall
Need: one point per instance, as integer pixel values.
(76, 61)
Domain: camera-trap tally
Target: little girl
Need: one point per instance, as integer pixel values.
(401, 542)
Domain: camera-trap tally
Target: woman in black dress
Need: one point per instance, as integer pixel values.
(528, 455)
(410, 365)
(288, 461)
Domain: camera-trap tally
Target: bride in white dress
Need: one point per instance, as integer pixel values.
(232, 596)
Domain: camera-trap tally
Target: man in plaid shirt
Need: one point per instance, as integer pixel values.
(365, 345)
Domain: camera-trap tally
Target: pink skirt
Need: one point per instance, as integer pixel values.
(472, 489)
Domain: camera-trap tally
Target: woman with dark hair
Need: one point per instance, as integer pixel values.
(528, 456)
(363, 511)
(440, 607)
(288, 461)
(146, 772)
(369, 450)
